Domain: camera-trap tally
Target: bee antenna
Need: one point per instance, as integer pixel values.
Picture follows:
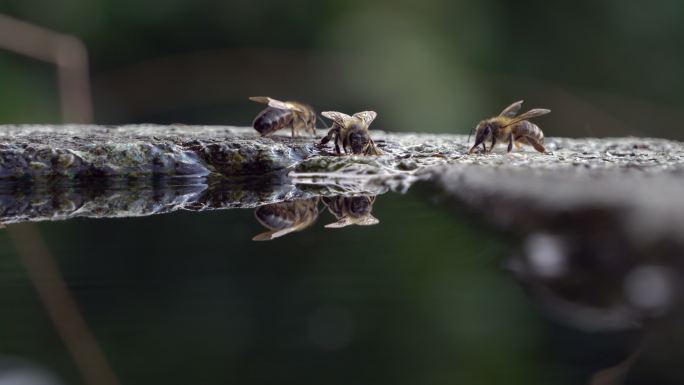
(323, 121)
(470, 133)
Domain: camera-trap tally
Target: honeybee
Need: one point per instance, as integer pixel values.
(286, 217)
(351, 132)
(278, 115)
(351, 211)
(507, 127)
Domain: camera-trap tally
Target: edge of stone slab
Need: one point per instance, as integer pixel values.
(45, 152)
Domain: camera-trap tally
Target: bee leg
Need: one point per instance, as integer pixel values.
(306, 129)
(491, 147)
(518, 141)
(345, 143)
(372, 149)
(478, 141)
(337, 143)
(510, 142)
(324, 140)
(327, 137)
(537, 146)
(484, 147)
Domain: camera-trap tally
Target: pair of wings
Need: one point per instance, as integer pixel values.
(512, 110)
(367, 117)
(366, 220)
(277, 103)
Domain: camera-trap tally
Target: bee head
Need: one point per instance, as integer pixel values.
(353, 211)
(483, 131)
(360, 206)
(359, 140)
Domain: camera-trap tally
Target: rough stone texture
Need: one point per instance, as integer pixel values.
(43, 153)
(224, 167)
(83, 151)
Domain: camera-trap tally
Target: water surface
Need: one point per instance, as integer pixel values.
(422, 297)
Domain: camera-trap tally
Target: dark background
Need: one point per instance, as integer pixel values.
(604, 68)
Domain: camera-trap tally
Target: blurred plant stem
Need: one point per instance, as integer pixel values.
(70, 57)
(60, 305)
(66, 52)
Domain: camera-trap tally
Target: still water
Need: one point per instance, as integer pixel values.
(425, 296)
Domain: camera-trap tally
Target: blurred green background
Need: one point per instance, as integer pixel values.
(604, 68)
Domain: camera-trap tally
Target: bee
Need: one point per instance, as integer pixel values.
(507, 127)
(278, 115)
(351, 211)
(286, 217)
(351, 132)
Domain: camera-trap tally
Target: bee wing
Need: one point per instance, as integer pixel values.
(336, 116)
(366, 116)
(529, 115)
(273, 234)
(343, 222)
(367, 220)
(533, 114)
(275, 103)
(512, 110)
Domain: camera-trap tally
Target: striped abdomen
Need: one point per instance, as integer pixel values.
(277, 216)
(272, 119)
(284, 215)
(528, 129)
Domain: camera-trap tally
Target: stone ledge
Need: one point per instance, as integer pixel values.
(42, 152)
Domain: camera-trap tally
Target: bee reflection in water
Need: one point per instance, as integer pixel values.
(289, 217)
(286, 217)
(351, 211)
